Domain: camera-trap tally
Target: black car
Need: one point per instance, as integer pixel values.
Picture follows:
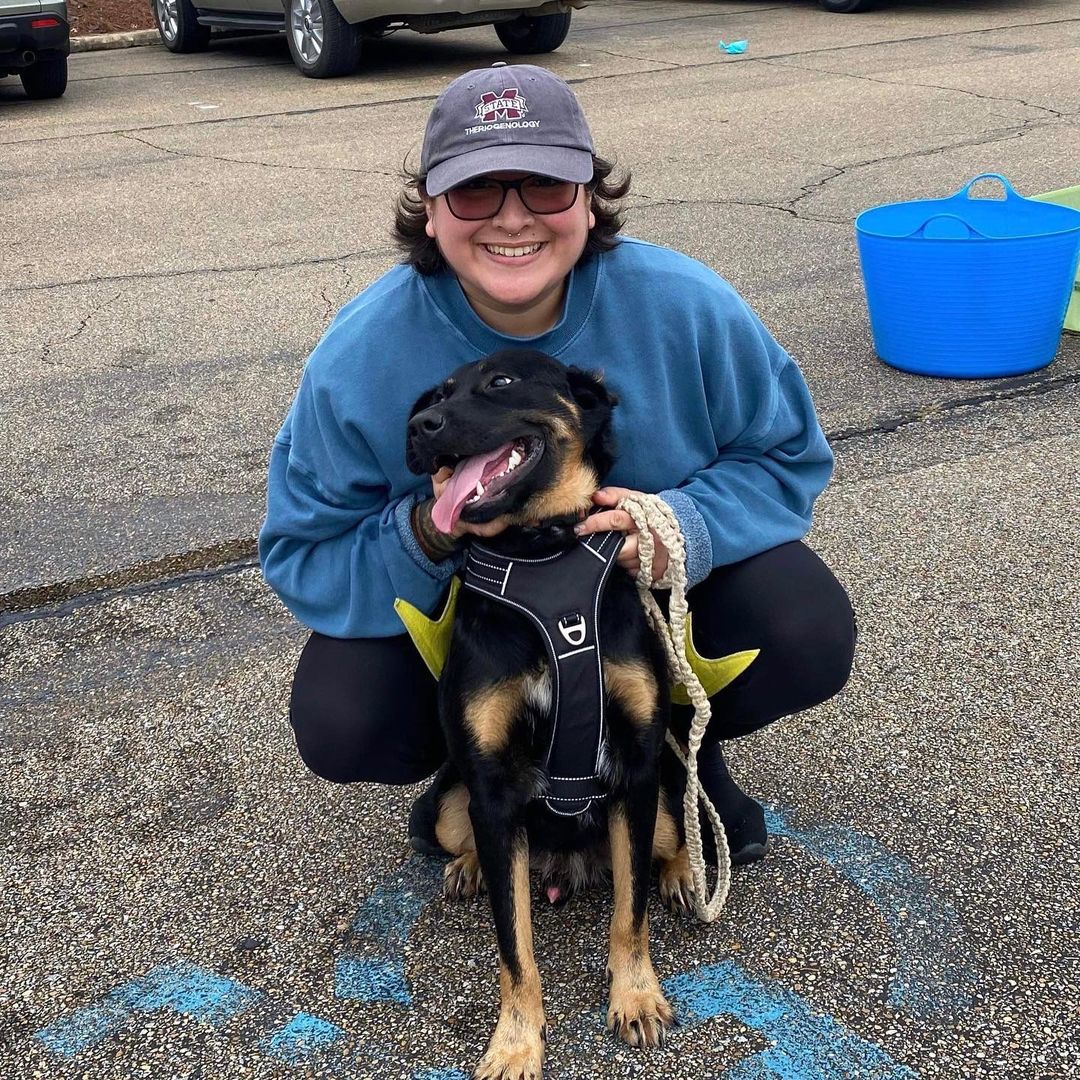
(35, 40)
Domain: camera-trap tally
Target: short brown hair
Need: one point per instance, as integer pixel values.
(422, 253)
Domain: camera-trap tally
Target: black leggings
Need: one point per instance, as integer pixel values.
(364, 709)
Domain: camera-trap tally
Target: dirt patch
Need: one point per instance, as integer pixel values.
(109, 16)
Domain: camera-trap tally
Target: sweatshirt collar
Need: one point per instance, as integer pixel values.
(445, 290)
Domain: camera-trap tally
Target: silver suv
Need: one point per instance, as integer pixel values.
(325, 35)
(34, 44)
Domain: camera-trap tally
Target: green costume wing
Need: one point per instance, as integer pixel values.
(431, 636)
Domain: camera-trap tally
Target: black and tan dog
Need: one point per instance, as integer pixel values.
(529, 439)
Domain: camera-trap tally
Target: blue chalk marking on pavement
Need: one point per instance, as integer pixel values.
(806, 1045)
(440, 1074)
(935, 977)
(372, 966)
(371, 980)
(87, 1027)
(300, 1038)
(180, 987)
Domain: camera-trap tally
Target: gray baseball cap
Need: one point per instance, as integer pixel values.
(510, 117)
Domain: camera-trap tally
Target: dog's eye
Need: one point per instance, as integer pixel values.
(500, 380)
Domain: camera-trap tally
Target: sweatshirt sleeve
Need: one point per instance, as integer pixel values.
(772, 459)
(334, 546)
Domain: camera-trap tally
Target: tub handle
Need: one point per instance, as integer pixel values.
(965, 232)
(964, 193)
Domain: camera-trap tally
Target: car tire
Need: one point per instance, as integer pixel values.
(539, 34)
(322, 44)
(46, 78)
(847, 7)
(178, 26)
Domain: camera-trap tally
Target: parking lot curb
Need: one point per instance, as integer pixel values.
(93, 42)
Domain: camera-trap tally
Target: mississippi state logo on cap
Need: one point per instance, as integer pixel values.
(482, 123)
(509, 105)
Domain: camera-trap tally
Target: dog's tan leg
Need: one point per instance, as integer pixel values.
(516, 1049)
(677, 883)
(676, 880)
(637, 1012)
(462, 877)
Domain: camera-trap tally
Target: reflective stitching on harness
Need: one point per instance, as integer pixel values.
(518, 558)
(574, 652)
(494, 581)
(489, 565)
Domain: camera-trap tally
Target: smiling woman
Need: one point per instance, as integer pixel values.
(510, 229)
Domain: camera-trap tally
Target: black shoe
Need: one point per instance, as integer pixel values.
(743, 817)
(425, 812)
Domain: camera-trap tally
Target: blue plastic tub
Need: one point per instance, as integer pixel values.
(968, 288)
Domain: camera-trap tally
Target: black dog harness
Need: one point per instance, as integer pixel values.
(561, 595)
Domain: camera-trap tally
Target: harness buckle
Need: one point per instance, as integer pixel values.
(573, 628)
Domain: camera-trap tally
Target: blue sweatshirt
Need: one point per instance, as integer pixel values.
(714, 416)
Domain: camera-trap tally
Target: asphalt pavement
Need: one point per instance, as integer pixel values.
(181, 898)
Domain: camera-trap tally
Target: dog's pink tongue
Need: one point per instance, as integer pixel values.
(462, 484)
(553, 894)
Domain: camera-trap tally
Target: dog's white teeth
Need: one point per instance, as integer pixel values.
(479, 489)
(515, 459)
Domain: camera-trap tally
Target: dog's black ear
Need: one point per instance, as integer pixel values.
(596, 402)
(589, 389)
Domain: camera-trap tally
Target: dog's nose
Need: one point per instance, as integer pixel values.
(429, 422)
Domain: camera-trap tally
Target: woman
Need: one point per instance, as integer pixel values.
(510, 230)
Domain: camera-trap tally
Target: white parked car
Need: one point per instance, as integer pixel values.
(325, 36)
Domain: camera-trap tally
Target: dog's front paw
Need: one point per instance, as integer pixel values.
(639, 1015)
(516, 1050)
(677, 883)
(462, 878)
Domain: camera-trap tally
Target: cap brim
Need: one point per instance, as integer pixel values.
(561, 162)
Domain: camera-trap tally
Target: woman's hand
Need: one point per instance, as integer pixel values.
(620, 520)
(488, 528)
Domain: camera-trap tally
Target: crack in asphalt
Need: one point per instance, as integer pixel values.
(57, 599)
(155, 275)
(914, 85)
(261, 164)
(1020, 388)
(667, 64)
(50, 345)
(809, 189)
(328, 314)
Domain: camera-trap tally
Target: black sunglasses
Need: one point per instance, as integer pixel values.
(484, 196)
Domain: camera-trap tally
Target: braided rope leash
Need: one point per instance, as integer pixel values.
(651, 514)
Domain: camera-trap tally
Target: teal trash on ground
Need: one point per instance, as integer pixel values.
(733, 46)
(968, 288)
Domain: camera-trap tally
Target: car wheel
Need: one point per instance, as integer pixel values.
(540, 34)
(322, 43)
(178, 26)
(846, 7)
(45, 79)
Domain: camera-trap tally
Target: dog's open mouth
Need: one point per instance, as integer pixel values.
(483, 478)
